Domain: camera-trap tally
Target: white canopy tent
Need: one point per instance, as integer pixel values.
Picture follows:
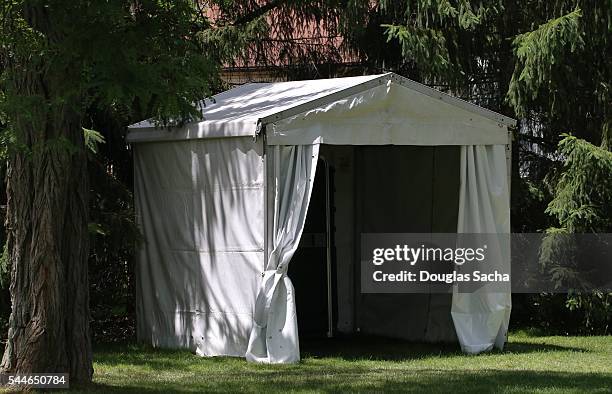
(222, 204)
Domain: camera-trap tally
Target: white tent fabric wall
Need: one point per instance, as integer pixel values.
(274, 336)
(481, 318)
(200, 205)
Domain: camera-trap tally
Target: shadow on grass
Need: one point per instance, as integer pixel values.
(348, 349)
(117, 354)
(373, 348)
(361, 380)
(333, 365)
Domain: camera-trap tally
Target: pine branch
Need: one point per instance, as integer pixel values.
(256, 13)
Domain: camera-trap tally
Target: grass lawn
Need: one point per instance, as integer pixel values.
(533, 364)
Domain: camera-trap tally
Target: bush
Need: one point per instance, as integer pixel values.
(582, 203)
(114, 236)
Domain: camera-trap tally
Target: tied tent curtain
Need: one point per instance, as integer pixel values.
(481, 317)
(274, 335)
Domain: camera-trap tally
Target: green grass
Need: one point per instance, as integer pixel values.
(529, 364)
(535, 364)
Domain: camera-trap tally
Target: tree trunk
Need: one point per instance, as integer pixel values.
(47, 229)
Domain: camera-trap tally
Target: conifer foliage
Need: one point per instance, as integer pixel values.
(547, 64)
(59, 60)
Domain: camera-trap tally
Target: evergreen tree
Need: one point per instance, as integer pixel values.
(58, 60)
(549, 63)
(545, 63)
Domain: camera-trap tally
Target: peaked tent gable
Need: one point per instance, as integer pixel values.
(389, 114)
(245, 110)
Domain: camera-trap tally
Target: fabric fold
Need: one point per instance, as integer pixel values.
(481, 317)
(274, 336)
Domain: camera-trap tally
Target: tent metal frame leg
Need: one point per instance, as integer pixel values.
(328, 251)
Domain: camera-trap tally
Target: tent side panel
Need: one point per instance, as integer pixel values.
(200, 206)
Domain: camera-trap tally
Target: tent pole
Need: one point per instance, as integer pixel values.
(328, 234)
(509, 158)
(276, 193)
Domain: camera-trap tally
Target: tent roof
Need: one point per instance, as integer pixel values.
(244, 110)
